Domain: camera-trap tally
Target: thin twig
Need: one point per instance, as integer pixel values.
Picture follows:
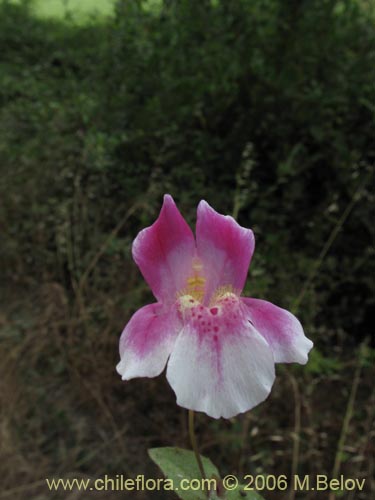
(194, 445)
(329, 243)
(366, 438)
(346, 422)
(297, 431)
(103, 247)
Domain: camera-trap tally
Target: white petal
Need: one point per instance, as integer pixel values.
(221, 375)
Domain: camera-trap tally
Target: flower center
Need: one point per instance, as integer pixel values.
(195, 283)
(208, 314)
(217, 318)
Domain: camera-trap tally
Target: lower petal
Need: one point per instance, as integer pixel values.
(281, 329)
(147, 341)
(221, 375)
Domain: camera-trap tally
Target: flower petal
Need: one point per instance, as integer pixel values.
(225, 249)
(164, 252)
(281, 329)
(147, 341)
(220, 370)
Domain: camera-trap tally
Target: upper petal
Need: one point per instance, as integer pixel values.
(164, 252)
(281, 329)
(147, 341)
(220, 364)
(225, 249)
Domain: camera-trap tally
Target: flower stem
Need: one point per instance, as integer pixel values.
(193, 441)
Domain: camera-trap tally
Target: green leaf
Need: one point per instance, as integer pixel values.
(178, 464)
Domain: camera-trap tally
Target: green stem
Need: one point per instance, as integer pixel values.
(193, 441)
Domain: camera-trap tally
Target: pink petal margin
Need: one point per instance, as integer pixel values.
(164, 252)
(281, 329)
(147, 341)
(225, 249)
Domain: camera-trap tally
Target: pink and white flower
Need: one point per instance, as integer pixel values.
(220, 348)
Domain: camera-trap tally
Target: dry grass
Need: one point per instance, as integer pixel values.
(66, 413)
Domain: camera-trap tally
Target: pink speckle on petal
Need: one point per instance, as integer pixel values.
(220, 348)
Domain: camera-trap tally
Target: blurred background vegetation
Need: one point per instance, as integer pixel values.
(262, 107)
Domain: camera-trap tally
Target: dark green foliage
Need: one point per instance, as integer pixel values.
(262, 107)
(189, 98)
